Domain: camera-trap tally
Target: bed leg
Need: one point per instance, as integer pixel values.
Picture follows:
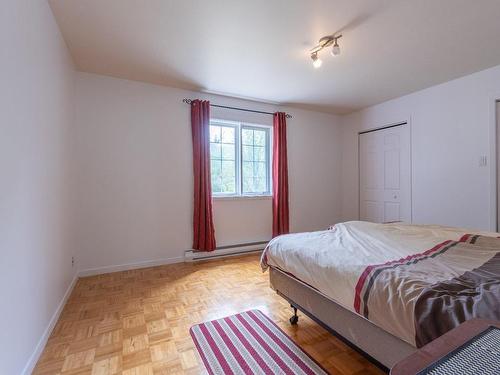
(295, 318)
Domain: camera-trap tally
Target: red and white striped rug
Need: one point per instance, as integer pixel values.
(250, 343)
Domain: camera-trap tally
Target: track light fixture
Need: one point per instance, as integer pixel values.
(326, 41)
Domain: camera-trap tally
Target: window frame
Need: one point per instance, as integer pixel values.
(239, 126)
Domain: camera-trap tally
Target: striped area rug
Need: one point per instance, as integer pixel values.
(250, 343)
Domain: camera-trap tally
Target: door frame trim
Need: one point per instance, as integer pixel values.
(494, 178)
(383, 127)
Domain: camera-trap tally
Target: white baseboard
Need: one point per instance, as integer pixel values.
(129, 266)
(28, 369)
(191, 256)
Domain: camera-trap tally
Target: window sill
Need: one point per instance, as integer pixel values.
(241, 197)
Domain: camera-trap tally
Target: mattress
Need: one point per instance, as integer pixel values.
(414, 281)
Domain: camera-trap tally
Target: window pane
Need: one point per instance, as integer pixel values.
(215, 168)
(247, 169)
(228, 185)
(224, 181)
(254, 177)
(247, 154)
(215, 133)
(228, 169)
(259, 185)
(215, 151)
(259, 137)
(259, 170)
(228, 134)
(259, 153)
(248, 185)
(255, 160)
(223, 147)
(228, 152)
(216, 184)
(247, 136)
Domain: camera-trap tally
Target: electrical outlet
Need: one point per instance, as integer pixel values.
(483, 161)
(72, 261)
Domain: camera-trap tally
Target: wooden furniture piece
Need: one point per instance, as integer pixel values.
(437, 349)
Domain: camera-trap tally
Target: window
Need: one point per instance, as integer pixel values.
(223, 142)
(240, 157)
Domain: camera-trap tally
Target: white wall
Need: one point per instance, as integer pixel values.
(134, 183)
(452, 126)
(36, 109)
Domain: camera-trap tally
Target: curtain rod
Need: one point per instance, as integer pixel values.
(188, 101)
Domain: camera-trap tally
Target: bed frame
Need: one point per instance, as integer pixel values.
(377, 345)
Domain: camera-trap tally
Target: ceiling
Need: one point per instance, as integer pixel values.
(259, 49)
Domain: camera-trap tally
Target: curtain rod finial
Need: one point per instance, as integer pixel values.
(187, 101)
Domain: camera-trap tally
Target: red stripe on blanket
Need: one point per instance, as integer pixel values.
(364, 276)
(464, 238)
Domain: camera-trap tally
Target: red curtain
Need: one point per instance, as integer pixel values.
(203, 225)
(280, 176)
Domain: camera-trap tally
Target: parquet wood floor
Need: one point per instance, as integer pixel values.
(136, 322)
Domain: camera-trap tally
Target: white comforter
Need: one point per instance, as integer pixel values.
(332, 261)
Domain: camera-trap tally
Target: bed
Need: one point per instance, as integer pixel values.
(387, 289)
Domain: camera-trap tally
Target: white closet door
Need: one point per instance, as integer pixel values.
(385, 175)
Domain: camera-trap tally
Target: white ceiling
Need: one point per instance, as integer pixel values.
(259, 49)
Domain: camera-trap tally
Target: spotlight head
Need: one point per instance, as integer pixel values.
(316, 60)
(335, 49)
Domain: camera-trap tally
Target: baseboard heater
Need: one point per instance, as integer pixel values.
(225, 251)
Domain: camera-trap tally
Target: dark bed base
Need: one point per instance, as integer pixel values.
(378, 346)
(294, 320)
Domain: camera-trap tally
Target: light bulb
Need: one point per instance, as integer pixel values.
(335, 49)
(316, 60)
(317, 63)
